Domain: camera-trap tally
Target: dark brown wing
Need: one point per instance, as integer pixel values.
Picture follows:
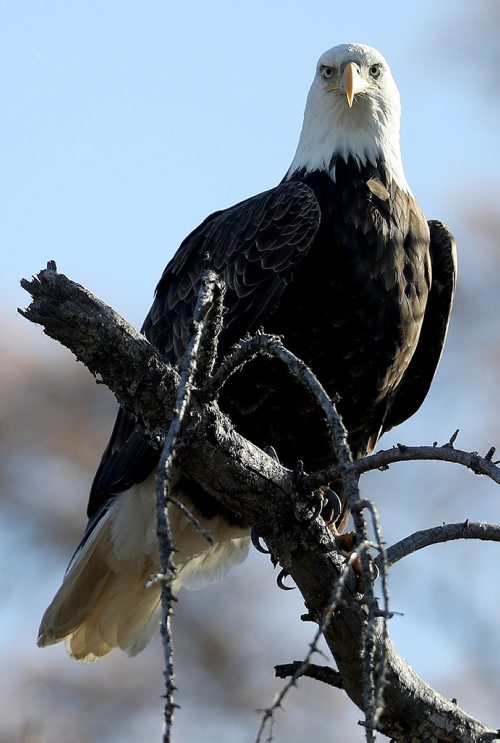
(255, 247)
(419, 375)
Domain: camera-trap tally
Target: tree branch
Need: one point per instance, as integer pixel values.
(402, 453)
(325, 674)
(438, 535)
(196, 360)
(254, 486)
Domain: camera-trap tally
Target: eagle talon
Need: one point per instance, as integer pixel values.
(332, 506)
(318, 508)
(328, 505)
(255, 537)
(374, 570)
(271, 452)
(283, 574)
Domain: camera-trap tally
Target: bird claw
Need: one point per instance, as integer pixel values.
(271, 452)
(329, 505)
(281, 578)
(332, 506)
(317, 509)
(375, 572)
(255, 537)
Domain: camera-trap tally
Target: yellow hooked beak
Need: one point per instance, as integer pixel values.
(352, 82)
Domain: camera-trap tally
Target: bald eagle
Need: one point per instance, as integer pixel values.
(339, 260)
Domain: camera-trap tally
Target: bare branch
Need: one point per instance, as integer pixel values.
(135, 371)
(256, 487)
(402, 453)
(208, 312)
(271, 345)
(205, 533)
(374, 663)
(377, 655)
(335, 602)
(325, 674)
(146, 386)
(438, 535)
(165, 479)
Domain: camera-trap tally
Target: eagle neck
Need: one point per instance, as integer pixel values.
(341, 171)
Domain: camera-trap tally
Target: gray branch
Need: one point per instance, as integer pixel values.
(325, 674)
(438, 535)
(402, 453)
(254, 485)
(198, 358)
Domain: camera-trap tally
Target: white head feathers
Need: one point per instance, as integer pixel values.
(353, 110)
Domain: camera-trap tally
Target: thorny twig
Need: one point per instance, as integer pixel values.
(210, 311)
(373, 673)
(301, 668)
(167, 570)
(164, 487)
(383, 565)
(205, 533)
(271, 345)
(325, 674)
(373, 661)
(402, 453)
(262, 343)
(437, 535)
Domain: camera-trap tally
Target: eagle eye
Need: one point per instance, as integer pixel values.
(326, 71)
(374, 71)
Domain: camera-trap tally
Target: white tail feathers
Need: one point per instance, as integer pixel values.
(104, 603)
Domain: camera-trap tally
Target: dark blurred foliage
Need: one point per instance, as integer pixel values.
(54, 422)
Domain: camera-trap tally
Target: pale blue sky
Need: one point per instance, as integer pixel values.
(125, 123)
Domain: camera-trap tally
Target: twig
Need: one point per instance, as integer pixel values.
(164, 489)
(374, 673)
(402, 453)
(438, 535)
(165, 575)
(325, 674)
(380, 677)
(372, 682)
(302, 666)
(205, 533)
(210, 312)
(271, 345)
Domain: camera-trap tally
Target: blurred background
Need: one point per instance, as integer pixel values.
(124, 124)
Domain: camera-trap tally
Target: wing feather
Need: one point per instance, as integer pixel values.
(420, 373)
(255, 246)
